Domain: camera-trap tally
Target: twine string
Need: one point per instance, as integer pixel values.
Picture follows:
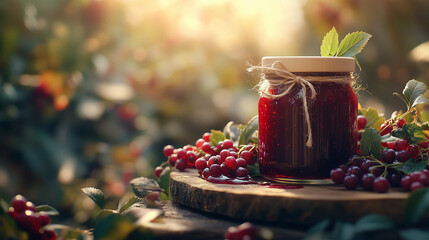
(278, 77)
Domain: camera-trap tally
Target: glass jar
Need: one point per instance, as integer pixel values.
(283, 127)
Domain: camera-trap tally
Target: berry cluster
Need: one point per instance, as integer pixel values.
(380, 174)
(25, 215)
(222, 160)
(245, 231)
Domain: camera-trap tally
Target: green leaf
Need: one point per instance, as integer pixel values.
(142, 186)
(343, 231)
(114, 226)
(96, 195)
(413, 234)
(412, 91)
(141, 233)
(414, 133)
(250, 129)
(253, 170)
(374, 118)
(47, 210)
(319, 227)
(329, 45)
(164, 181)
(411, 166)
(371, 143)
(420, 100)
(216, 136)
(373, 222)
(353, 44)
(129, 203)
(424, 116)
(416, 205)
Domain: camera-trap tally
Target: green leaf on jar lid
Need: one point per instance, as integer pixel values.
(353, 44)
(329, 45)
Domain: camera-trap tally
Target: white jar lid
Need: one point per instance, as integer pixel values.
(312, 63)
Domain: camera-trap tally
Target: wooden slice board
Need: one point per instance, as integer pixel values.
(307, 205)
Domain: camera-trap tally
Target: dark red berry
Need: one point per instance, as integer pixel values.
(181, 165)
(351, 182)
(224, 154)
(191, 156)
(361, 122)
(419, 177)
(241, 162)
(424, 145)
(338, 175)
(30, 206)
(49, 235)
(200, 164)
(172, 160)
(388, 156)
(416, 185)
(19, 203)
(402, 155)
(225, 170)
(381, 185)
(377, 171)
(215, 170)
(232, 234)
(231, 162)
(406, 183)
(395, 180)
(247, 229)
(181, 153)
(401, 144)
(228, 143)
(368, 181)
(158, 171)
(400, 123)
(206, 137)
(241, 172)
(354, 170)
(364, 168)
(390, 145)
(414, 151)
(206, 173)
(385, 128)
(426, 172)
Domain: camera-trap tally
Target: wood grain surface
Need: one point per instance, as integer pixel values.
(307, 205)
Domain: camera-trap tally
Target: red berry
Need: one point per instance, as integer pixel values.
(381, 185)
(377, 171)
(191, 157)
(400, 123)
(391, 145)
(247, 229)
(368, 181)
(44, 219)
(228, 143)
(354, 170)
(181, 165)
(200, 164)
(402, 155)
(225, 170)
(241, 172)
(414, 151)
(206, 137)
(361, 121)
(232, 234)
(158, 171)
(416, 185)
(406, 183)
(424, 145)
(231, 162)
(172, 159)
(206, 147)
(401, 144)
(181, 153)
(168, 150)
(388, 156)
(199, 143)
(246, 155)
(351, 182)
(233, 154)
(419, 177)
(224, 154)
(241, 162)
(19, 203)
(385, 128)
(215, 170)
(213, 160)
(206, 173)
(49, 235)
(30, 206)
(338, 175)
(366, 165)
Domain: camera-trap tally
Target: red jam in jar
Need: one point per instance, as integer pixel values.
(283, 127)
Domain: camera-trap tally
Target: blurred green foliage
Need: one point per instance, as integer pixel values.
(91, 90)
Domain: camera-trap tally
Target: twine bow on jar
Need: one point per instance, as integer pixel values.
(279, 78)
